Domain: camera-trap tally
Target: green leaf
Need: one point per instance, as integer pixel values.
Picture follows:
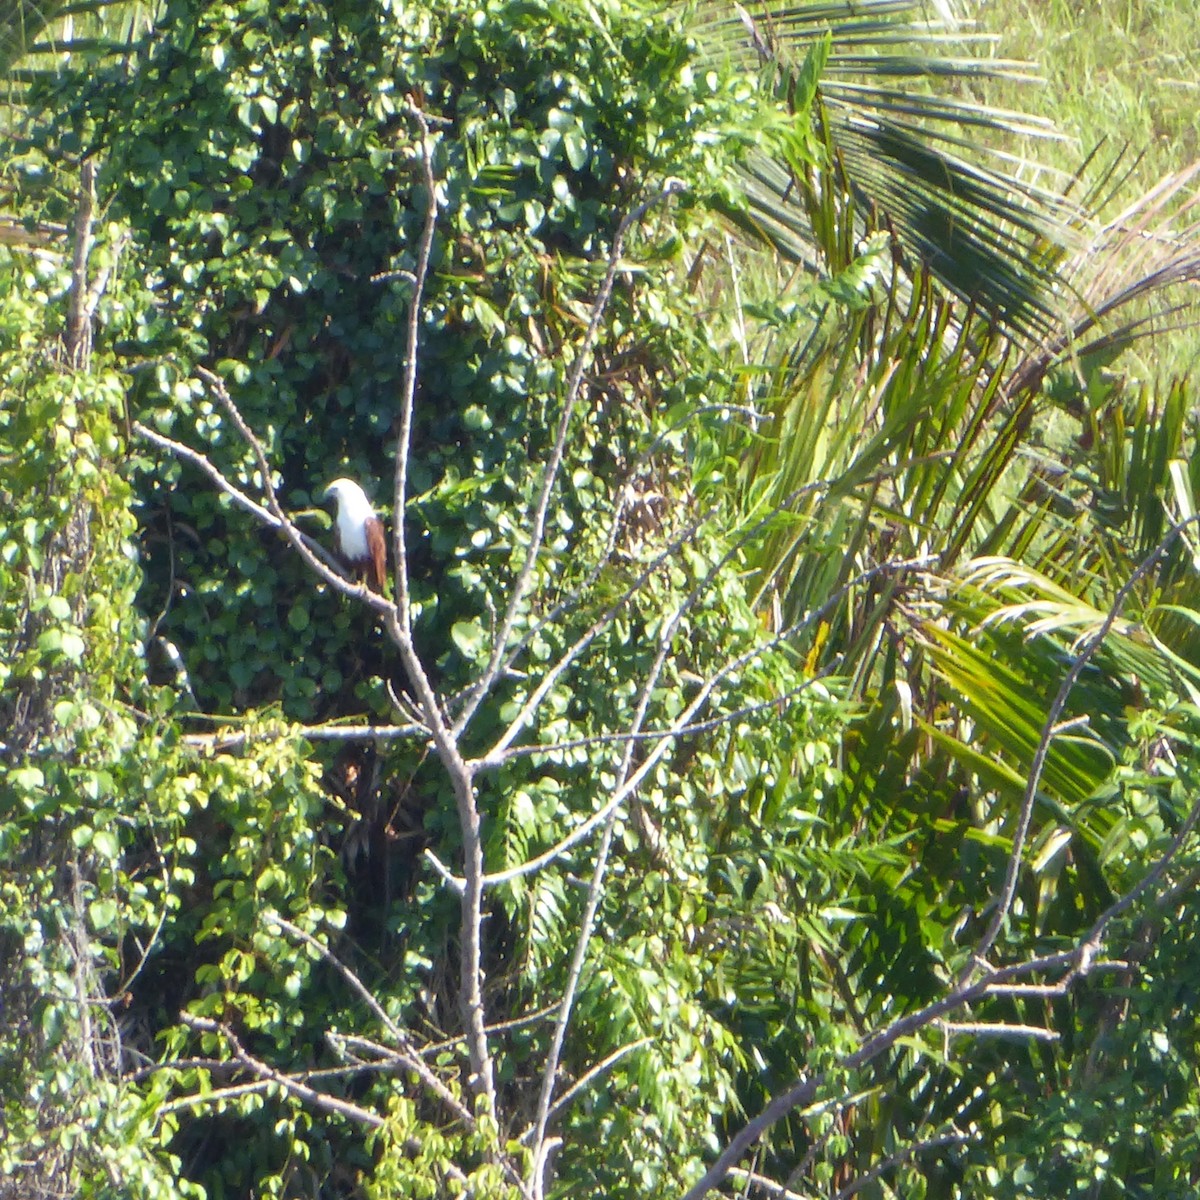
(27, 779)
(103, 914)
(106, 844)
(469, 637)
(576, 146)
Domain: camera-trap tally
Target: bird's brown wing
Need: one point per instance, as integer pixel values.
(377, 549)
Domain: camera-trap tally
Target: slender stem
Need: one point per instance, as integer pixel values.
(524, 578)
(409, 389)
(398, 622)
(1050, 726)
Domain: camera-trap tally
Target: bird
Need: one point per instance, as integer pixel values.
(360, 536)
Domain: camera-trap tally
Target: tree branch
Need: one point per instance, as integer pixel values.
(326, 1103)
(404, 1050)
(550, 474)
(398, 622)
(409, 387)
(1050, 727)
(320, 560)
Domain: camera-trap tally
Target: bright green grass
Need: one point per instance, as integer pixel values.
(1122, 75)
(1125, 72)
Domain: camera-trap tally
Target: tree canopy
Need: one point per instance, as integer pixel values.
(770, 767)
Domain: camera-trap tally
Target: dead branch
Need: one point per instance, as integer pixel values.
(524, 578)
(233, 739)
(403, 1050)
(319, 564)
(287, 1083)
(398, 623)
(980, 981)
(321, 560)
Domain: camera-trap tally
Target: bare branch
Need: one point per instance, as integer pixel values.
(772, 704)
(997, 1030)
(313, 553)
(571, 600)
(409, 387)
(554, 1055)
(404, 1050)
(1077, 963)
(590, 1076)
(227, 739)
(685, 718)
(398, 622)
(1049, 729)
(550, 475)
(950, 1138)
(326, 1103)
(754, 1179)
(282, 522)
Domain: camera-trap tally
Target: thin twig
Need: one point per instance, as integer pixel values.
(314, 554)
(950, 1138)
(570, 601)
(408, 390)
(773, 703)
(550, 474)
(299, 541)
(404, 1049)
(1049, 726)
(626, 788)
(754, 1179)
(343, 1108)
(591, 1075)
(226, 739)
(998, 1030)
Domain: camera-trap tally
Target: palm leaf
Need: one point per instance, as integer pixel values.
(903, 158)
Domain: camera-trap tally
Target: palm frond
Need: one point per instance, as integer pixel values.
(909, 159)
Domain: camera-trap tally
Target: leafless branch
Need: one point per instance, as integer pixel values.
(550, 474)
(624, 784)
(398, 622)
(981, 981)
(1050, 726)
(314, 554)
(404, 1048)
(754, 1179)
(232, 739)
(409, 387)
(574, 972)
(293, 1087)
(627, 786)
(590, 1076)
(298, 541)
(997, 1029)
(570, 601)
(772, 704)
(950, 1138)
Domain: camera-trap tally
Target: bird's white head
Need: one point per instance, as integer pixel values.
(352, 501)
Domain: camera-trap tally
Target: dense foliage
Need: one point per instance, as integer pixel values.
(754, 683)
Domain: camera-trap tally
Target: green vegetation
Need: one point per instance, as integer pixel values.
(1115, 73)
(1118, 80)
(773, 770)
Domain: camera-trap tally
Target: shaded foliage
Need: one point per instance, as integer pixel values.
(876, 582)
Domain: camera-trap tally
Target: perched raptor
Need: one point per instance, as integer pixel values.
(360, 537)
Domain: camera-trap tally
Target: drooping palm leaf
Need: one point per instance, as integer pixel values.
(906, 159)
